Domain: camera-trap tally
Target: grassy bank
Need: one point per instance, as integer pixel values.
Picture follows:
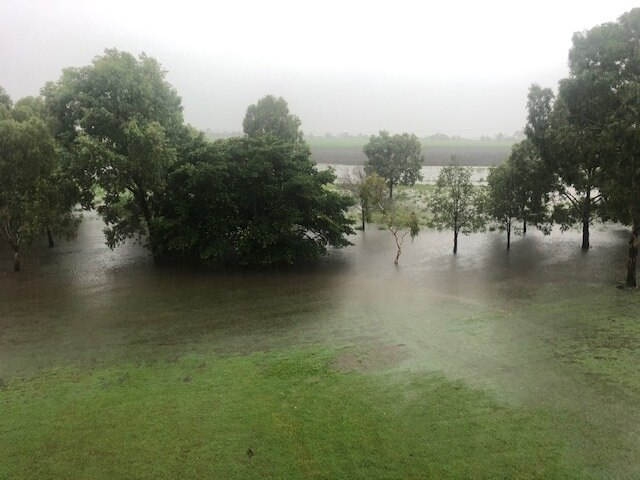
(285, 414)
(326, 412)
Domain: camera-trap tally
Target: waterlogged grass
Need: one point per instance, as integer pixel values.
(598, 336)
(285, 414)
(520, 364)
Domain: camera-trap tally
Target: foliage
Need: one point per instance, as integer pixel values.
(252, 200)
(270, 116)
(502, 199)
(5, 104)
(400, 222)
(571, 152)
(602, 98)
(36, 195)
(456, 203)
(396, 158)
(120, 122)
(368, 191)
(27, 159)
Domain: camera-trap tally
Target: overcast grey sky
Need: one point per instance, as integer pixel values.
(456, 67)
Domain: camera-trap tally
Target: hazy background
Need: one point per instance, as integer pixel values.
(344, 66)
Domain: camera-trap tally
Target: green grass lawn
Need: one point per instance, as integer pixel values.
(321, 412)
(285, 414)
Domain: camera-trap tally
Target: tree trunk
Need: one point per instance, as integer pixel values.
(50, 238)
(455, 241)
(585, 235)
(364, 214)
(397, 256)
(633, 256)
(509, 236)
(398, 245)
(524, 226)
(146, 213)
(390, 190)
(16, 257)
(586, 219)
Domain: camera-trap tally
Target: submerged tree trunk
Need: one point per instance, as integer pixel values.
(50, 238)
(16, 257)
(633, 256)
(509, 235)
(524, 226)
(364, 214)
(390, 189)
(455, 241)
(585, 235)
(586, 219)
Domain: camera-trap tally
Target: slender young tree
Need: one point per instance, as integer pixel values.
(367, 190)
(456, 203)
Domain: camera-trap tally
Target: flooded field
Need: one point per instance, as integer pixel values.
(429, 173)
(507, 322)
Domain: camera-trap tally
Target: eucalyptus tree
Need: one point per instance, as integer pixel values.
(602, 97)
(456, 204)
(572, 152)
(396, 158)
(502, 197)
(533, 185)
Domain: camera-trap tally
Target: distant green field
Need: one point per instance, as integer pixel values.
(348, 150)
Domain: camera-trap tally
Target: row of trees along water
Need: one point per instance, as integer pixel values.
(111, 136)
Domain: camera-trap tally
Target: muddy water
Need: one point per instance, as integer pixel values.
(82, 304)
(429, 173)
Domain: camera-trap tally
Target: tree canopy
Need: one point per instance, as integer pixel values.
(121, 122)
(396, 158)
(456, 203)
(254, 201)
(35, 195)
(270, 116)
(592, 136)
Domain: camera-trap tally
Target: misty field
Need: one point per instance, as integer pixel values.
(488, 364)
(348, 150)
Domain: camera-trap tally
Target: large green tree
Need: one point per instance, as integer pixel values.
(396, 158)
(270, 116)
(252, 200)
(571, 151)
(120, 121)
(502, 197)
(456, 203)
(602, 97)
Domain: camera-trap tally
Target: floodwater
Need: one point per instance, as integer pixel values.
(80, 296)
(429, 173)
(81, 304)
